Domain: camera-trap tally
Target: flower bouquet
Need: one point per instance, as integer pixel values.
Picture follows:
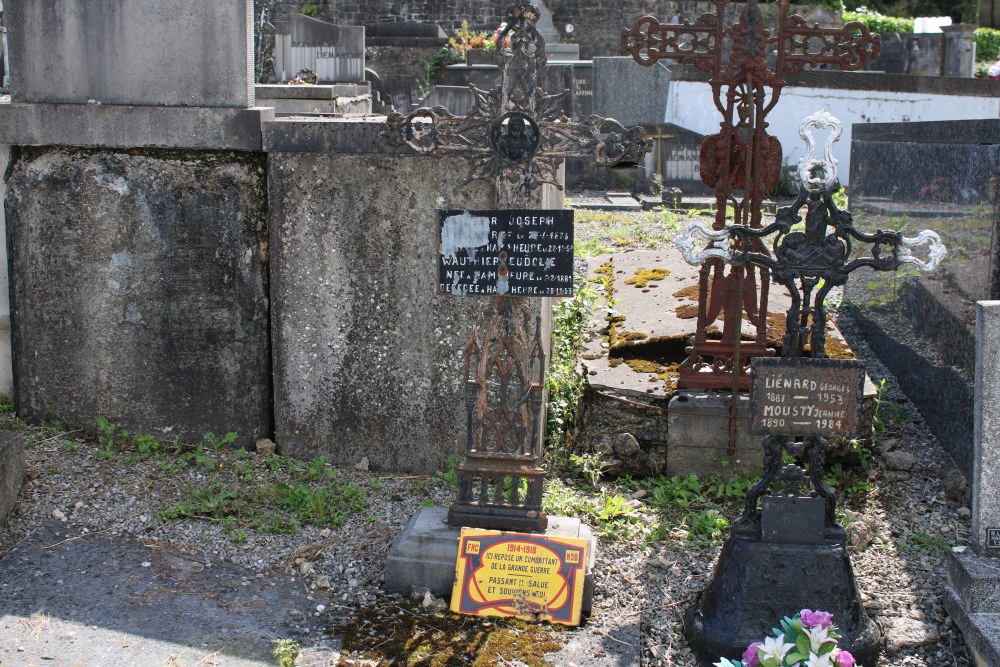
(808, 639)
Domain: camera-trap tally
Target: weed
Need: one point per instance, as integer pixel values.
(239, 537)
(286, 651)
(591, 465)
(450, 476)
(6, 404)
(886, 413)
(310, 10)
(146, 444)
(707, 525)
(108, 438)
(427, 503)
(563, 381)
(924, 542)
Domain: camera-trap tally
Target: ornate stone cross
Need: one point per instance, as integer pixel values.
(742, 160)
(517, 135)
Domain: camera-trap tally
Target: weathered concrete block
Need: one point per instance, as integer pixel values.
(698, 435)
(368, 356)
(629, 94)
(140, 290)
(11, 470)
(168, 52)
(202, 128)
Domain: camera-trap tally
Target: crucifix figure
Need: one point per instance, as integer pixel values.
(742, 160)
(516, 135)
(809, 263)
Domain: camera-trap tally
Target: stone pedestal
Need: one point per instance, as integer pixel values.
(757, 583)
(424, 556)
(973, 598)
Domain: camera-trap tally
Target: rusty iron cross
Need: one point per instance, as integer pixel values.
(517, 135)
(742, 160)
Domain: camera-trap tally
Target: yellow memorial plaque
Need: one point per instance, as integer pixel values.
(532, 577)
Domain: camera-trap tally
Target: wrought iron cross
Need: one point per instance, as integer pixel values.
(809, 263)
(742, 160)
(517, 135)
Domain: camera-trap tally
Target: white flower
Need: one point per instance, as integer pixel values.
(819, 660)
(817, 637)
(775, 647)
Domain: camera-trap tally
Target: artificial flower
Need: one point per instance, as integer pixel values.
(750, 657)
(819, 661)
(818, 636)
(774, 647)
(845, 659)
(811, 619)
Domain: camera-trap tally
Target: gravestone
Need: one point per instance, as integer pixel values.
(336, 53)
(139, 282)
(72, 52)
(973, 596)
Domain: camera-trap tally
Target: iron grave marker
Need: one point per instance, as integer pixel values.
(506, 252)
(802, 396)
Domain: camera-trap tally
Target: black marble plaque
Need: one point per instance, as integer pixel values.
(993, 538)
(513, 253)
(802, 396)
(792, 519)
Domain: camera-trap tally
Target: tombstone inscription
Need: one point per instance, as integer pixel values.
(513, 252)
(789, 520)
(517, 135)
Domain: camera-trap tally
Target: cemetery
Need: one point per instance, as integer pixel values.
(498, 333)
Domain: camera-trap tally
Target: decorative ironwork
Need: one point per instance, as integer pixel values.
(741, 161)
(809, 264)
(517, 135)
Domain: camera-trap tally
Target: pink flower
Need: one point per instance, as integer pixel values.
(750, 658)
(845, 659)
(811, 619)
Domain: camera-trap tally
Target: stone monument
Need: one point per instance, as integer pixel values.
(973, 596)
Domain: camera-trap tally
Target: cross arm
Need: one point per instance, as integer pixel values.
(697, 43)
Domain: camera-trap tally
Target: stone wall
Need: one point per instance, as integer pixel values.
(596, 23)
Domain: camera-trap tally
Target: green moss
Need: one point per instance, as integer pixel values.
(645, 276)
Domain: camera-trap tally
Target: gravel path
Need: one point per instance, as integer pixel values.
(906, 522)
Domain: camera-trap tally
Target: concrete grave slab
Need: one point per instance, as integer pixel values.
(132, 52)
(424, 556)
(633, 413)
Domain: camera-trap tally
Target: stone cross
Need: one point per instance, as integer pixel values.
(742, 161)
(517, 136)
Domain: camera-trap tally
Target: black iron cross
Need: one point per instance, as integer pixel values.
(517, 135)
(809, 263)
(742, 161)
